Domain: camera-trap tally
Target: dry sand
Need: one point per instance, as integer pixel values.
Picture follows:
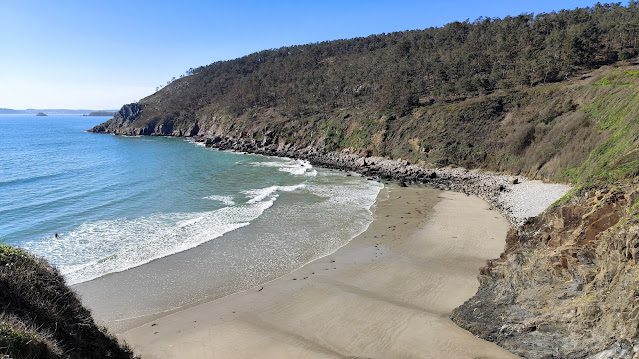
(387, 294)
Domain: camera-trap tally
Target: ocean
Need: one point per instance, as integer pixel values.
(119, 202)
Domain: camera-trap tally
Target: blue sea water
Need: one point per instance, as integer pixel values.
(118, 202)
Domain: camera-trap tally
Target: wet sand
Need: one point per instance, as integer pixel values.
(387, 294)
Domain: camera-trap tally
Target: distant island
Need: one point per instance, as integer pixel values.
(41, 114)
(57, 111)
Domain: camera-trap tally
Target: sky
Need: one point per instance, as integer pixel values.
(102, 54)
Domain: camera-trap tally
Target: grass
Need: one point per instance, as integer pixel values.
(361, 135)
(615, 111)
(8, 254)
(41, 317)
(348, 132)
(17, 341)
(634, 73)
(618, 78)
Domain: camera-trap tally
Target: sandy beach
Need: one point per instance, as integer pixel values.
(387, 294)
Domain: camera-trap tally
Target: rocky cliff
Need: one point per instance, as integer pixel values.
(566, 284)
(512, 94)
(548, 131)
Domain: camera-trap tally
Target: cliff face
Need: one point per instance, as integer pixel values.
(566, 284)
(548, 131)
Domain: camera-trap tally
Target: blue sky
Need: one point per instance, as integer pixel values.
(102, 54)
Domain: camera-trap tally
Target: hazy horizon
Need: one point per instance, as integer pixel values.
(103, 55)
(58, 109)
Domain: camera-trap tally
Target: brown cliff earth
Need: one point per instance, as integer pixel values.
(567, 283)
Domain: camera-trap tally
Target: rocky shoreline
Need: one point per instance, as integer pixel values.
(559, 290)
(517, 198)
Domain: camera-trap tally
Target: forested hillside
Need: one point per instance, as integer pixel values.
(437, 96)
(396, 71)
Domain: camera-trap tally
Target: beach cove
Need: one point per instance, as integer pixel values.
(387, 293)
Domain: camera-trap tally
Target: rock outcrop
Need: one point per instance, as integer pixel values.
(567, 284)
(122, 119)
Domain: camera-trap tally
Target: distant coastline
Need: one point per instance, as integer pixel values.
(56, 111)
(101, 113)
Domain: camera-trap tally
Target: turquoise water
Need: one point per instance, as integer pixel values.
(118, 202)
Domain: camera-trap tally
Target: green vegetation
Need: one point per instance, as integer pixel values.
(20, 342)
(615, 110)
(41, 317)
(9, 254)
(394, 71)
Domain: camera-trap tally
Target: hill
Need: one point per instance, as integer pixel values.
(435, 96)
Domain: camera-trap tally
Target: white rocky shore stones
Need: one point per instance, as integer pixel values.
(530, 198)
(517, 197)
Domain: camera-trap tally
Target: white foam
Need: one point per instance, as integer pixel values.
(292, 166)
(189, 222)
(356, 192)
(97, 248)
(257, 195)
(226, 200)
(191, 140)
